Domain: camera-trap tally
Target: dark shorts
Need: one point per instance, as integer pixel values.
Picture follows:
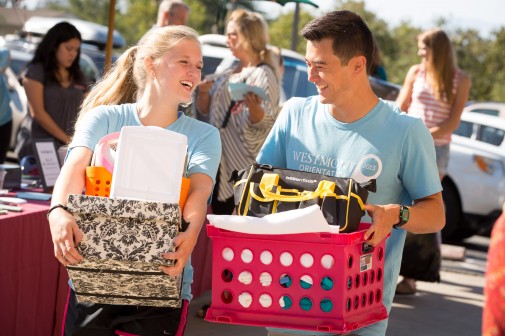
(111, 320)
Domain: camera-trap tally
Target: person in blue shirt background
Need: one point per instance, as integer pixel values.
(5, 109)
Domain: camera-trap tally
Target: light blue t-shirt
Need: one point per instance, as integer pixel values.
(394, 148)
(5, 96)
(204, 147)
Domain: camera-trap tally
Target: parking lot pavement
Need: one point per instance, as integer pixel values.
(451, 307)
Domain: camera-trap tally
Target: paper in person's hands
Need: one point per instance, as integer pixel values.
(238, 90)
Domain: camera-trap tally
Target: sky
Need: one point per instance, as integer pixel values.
(481, 15)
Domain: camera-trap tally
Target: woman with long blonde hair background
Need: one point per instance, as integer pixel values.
(435, 90)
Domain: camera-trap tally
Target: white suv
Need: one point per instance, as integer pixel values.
(474, 189)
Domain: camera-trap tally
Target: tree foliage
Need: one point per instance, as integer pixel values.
(482, 58)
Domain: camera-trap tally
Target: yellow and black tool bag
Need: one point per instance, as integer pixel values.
(260, 190)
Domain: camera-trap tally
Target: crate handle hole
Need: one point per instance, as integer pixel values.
(247, 256)
(285, 302)
(366, 248)
(307, 260)
(245, 277)
(381, 254)
(327, 261)
(265, 279)
(227, 275)
(306, 281)
(266, 257)
(285, 281)
(348, 304)
(226, 296)
(326, 305)
(305, 303)
(327, 283)
(378, 296)
(286, 259)
(228, 254)
(265, 300)
(245, 299)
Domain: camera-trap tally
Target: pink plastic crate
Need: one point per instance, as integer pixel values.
(317, 281)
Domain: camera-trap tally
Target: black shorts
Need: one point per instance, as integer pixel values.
(111, 320)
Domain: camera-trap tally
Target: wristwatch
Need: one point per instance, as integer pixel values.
(404, 216)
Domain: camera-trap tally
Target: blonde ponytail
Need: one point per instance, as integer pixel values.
(116, 87)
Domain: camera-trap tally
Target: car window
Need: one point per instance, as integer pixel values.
(210, 64)
(89, 70)
(492, 112)
(491, 135)
(465, 129)
(295, 82)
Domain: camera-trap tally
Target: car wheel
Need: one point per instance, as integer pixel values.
(453, 212)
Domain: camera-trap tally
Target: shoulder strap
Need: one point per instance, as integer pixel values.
(228, 114)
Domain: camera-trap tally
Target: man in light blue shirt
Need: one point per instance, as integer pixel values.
(347, 131)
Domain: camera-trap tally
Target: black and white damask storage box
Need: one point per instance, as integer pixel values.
(122, 247)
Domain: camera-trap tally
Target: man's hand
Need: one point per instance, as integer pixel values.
(382, 223)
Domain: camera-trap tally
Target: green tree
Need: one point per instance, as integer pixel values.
(280, 30)
(209, 16)
(90, 10)
(481, 58)
(138, 18)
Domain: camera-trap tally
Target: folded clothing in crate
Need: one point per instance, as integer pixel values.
(122, 247)
(325, 282)
(263, 189)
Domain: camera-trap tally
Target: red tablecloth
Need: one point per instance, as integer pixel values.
(33, 285)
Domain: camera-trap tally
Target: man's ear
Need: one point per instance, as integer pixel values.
(358, 63)
(149, 65)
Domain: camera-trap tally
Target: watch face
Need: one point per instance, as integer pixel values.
(405, 214)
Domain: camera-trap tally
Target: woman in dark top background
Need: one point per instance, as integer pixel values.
(55, 85)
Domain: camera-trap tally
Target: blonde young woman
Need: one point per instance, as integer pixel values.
(435, 90)
(244, 124)
(160, 73)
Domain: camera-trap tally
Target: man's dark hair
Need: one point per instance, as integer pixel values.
(350, 34)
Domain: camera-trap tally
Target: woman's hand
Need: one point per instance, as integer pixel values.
(203, 98)
(253, 103)
(66, 234)
(194, 213)
(205, 86)
(184, 244)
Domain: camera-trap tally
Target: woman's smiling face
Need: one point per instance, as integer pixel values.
(179, 72)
